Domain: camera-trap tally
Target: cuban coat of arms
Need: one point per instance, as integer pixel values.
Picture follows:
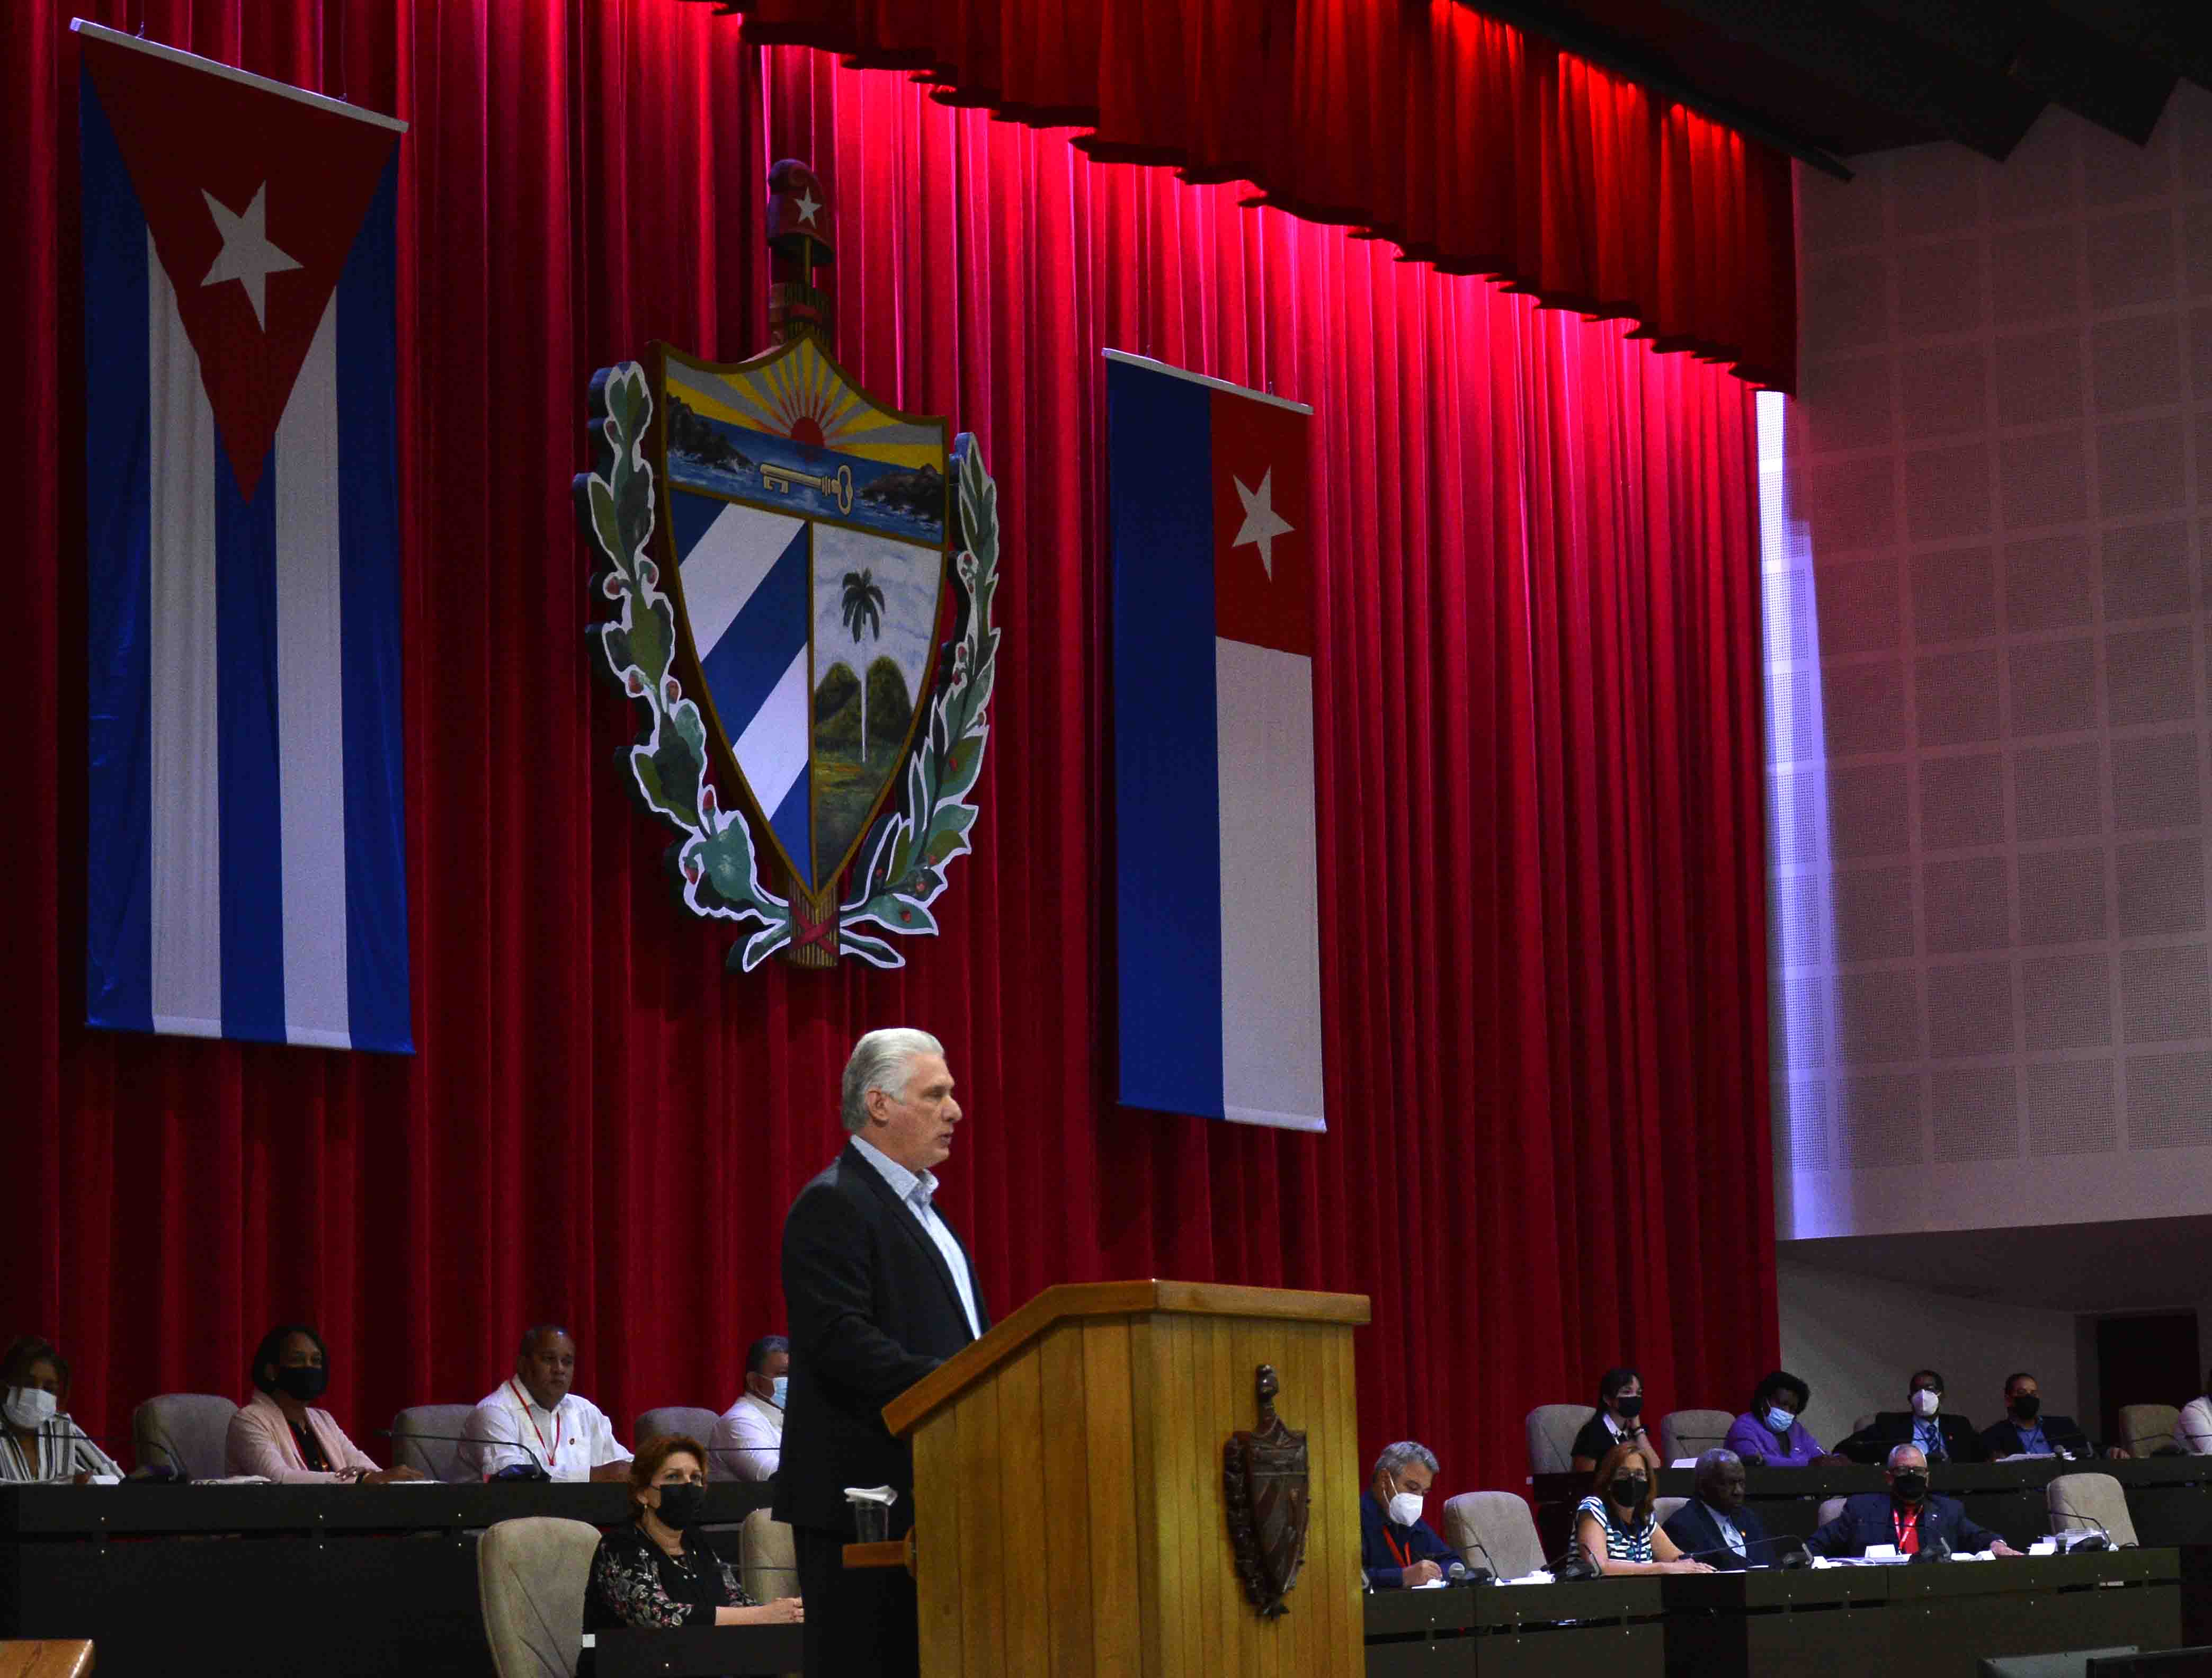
(803, 578)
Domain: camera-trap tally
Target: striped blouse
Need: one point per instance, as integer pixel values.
(1621, 1543)
(60, 1451)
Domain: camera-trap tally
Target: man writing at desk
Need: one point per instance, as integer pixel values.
(1908, 1517)
(1397, 1547)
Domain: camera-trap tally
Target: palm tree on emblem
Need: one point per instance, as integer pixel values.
(863, 611)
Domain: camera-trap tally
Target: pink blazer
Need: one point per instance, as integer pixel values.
(260, 1443)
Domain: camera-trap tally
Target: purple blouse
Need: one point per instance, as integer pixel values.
(1750, 1437)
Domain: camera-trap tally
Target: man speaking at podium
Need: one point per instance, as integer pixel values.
(879, 1291)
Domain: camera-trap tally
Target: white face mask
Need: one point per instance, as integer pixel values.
(1406, 1508)
(1926, 1402)
(27, 1408)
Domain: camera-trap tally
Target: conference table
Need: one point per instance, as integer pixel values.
(1604, 1628)
(325, 1580)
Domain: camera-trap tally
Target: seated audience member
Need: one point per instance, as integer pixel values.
(1714, 1526)
(1769, 1432)
(748, 1440)
(530, 1423)
(1614, 1524)
(40, 1441)
(1908, 1517)
(2026, 1432)
(1619, 1421)
(1940, 1436)
(657, 1569)
(1397, 1547)
(278, 1436)
(2192, 1429)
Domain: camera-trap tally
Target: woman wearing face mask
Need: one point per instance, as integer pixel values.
(1618, 1420)
(279, 1437)
(1614, 1524)
(38, 1440)
(658, 1571)
(1770, 1432)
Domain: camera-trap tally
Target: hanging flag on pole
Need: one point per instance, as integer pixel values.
(1215, 852)
(245, 859)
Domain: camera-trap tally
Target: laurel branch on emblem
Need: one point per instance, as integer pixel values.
(715, 860)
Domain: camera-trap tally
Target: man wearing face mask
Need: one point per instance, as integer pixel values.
(748, 1440)
(1908, 1517)
(2028, 1431)
(38, 1440)
(531, 1422)
(1940, 1436)
(1397, 1547)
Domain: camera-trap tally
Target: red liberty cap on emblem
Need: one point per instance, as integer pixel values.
(799, 243)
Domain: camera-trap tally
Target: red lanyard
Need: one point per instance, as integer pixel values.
(1906, 1525)
(554, 1450)
(1405, 1557)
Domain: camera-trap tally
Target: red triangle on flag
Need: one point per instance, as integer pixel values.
(253, 197)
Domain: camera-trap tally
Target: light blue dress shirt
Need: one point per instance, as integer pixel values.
(915, 1189)
(1927, 1434)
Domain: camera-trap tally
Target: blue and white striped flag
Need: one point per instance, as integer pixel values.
(247, 873)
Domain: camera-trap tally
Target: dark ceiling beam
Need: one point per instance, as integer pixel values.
(1624, 59)
(2177, 34)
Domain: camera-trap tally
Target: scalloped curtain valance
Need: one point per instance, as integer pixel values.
(1468, 142)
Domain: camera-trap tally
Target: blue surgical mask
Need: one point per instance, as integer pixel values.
(1779, 1419)
(782, 1386)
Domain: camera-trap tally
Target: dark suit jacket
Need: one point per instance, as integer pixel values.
(1893, 1428)
(1866, 1519)
(872, 1309)
(2002, 1438)
(1695, 1532)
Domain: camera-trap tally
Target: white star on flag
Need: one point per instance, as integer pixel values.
(808, 203)
(1263, 524)
(247, 255)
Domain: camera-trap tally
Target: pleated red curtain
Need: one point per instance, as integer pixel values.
(1540, 848)
(1470, 143)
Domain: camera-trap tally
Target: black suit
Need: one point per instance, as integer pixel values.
(874, 1308)
(1870, 1518)
(1893, 1428)
(2002, 1438)
(1695, 1532)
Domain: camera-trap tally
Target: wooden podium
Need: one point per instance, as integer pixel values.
(1070, 1513)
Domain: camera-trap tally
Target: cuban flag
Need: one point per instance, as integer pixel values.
(247, 870)
(1215, 852)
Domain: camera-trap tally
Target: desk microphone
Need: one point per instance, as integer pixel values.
(2100, 1540)
(1491, 1574)
(533, 1470)
(1458, 1572)
(1572, 1564)
(1796, 1555)
(1935, 1548)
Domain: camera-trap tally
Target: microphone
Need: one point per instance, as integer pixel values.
(2100, 1540)
(1489, 1575)
(1458, 1572)
(1936, 1548)
(1796, 1555)
(1570, 1565)
(533, 1470)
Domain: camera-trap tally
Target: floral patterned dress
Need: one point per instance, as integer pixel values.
(636, 1582)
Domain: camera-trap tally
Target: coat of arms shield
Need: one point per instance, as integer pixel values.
(1264, 1486)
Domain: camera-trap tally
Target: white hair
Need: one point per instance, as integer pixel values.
(1896, 1451)
(1394, 1457)
(881, 1060)
(1717, 1458)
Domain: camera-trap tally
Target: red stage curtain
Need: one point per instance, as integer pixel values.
(1465, 141)
(1541, 878)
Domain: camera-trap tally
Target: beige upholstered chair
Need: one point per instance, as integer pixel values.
(187, 1431)
(770, 1562)
(2082, 1503)
(1663, 1509)
(1692, 1432)
(1861, 1424)
(1829, 1508)
(1551, 1430)
(686, 1419)
(2145, 1427)
(532, 1574)
(425, 1437)
(1494, 1529)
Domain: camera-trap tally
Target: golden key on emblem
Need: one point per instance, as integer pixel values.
(839, 488)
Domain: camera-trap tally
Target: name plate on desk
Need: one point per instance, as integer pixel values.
(701, 1651)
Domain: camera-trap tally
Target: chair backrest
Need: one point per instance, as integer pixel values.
(2071, 1663)
(187, 1431)
(1551, 1430)
(2077, 1501)
(1501, 1522)
(1693, 1433)
(769, 1565)
(685, 1418)
(1829, 1508)
(532, 1574)
(424, 1437)
(2145, 1427)
(1664, 1510)
(1861, 1424)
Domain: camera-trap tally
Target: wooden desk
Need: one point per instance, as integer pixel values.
(700, 1652)
(1604, 1628)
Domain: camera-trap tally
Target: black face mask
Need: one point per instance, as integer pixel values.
(1630, 1408)
(1912, 1485)
(305, 1384)
(2027, 1405)
(1628, 1489)
(682, 1506)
